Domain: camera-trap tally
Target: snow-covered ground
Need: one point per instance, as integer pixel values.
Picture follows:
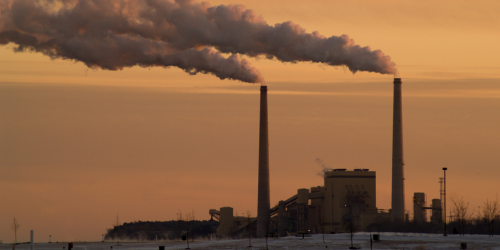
(335, 241)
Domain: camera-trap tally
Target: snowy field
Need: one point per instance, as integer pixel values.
(335, 241)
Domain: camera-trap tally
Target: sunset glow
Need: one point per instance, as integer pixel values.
(79, 146)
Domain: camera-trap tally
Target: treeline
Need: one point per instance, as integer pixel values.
(161, 230)
(466, 220)
(468, 226)
(475, 226)
(461, 219)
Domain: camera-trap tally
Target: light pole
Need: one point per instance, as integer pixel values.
(444, 197)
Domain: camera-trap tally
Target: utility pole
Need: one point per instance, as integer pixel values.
(331, 221)
(444, 195)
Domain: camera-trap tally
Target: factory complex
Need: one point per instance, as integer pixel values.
(346, 201)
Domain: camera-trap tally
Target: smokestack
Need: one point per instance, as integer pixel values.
(398, 194)
(263, 200)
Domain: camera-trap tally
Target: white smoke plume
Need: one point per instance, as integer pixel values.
(323, 166)
(112, 34)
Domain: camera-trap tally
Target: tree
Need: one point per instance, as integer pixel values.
(249, 219)
(351, 226)
(462, 213)
(15, 226)
(190, 217)
(180, 224)
(490, 212)
(117, 225)
(322, 224)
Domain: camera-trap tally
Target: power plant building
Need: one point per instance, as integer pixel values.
(352, 195)
(419, 209)
(419, 213)
(348, 198)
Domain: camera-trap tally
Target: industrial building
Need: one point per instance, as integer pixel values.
(419, 209)
(346, 200)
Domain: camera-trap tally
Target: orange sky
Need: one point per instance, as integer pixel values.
(78, 146)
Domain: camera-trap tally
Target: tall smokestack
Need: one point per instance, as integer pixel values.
(398, 194)
(264, 202)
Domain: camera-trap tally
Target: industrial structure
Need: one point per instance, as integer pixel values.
(263, 199)
(398, 188)
(346, 200)
(419, 213)
(419, 209)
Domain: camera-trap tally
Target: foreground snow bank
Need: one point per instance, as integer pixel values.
(332, 241)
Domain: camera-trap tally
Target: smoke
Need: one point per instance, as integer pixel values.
(114, 34)
(323, 166)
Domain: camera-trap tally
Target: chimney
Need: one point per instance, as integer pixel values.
(398, 194)
(263, 200)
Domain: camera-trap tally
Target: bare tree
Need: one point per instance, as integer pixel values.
(351, 226)
(180, 224)
(15, 226)
(462, 213)
(249, 219)
(489, 212)
(117, 228)
(321, 222)
(190, 217)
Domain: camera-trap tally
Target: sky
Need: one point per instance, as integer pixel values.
(80, 146)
